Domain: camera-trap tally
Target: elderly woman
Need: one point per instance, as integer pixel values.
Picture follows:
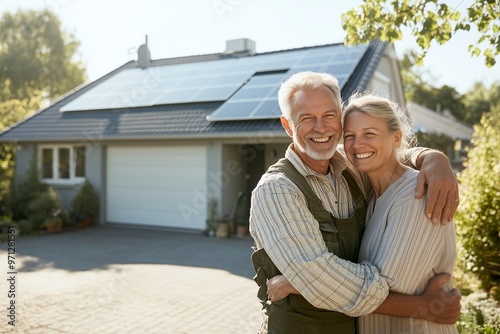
(398, 239)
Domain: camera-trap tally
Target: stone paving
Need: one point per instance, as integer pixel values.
(114, 279)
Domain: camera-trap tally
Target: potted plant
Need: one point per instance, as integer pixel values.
(54, 223)
(241, 215)
(44, 206)
(215, 225)
(211, 222)
(85, 205)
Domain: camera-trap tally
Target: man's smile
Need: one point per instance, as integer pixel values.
(320, 140)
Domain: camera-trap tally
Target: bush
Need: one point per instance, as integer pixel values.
(25, 227)
(25, 192)
(7, 157)
(479, 315)
(86, 202)
(45, 205)
(478, 216)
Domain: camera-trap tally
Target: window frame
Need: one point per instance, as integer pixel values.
(73, 179)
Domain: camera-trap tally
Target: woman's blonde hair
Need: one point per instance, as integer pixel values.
(390, 112)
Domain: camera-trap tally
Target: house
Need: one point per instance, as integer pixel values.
(443, 122)
(159, 138)
(426, 120)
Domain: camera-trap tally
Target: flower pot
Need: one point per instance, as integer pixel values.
(87, 222)
(241, 231)
(53, 225)
(222, 230)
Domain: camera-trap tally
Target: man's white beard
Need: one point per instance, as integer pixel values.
(313, 154)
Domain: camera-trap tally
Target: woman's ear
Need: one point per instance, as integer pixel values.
(397, 138)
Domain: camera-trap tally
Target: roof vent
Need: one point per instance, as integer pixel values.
(143, 55)
(240, 45)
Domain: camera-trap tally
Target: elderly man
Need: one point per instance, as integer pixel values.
(307, 218)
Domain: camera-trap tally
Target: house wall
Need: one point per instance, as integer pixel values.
(95, 173)
(214, 176)
(232, 166)
(25, 155)
(233, 176)
(388, 68)
(274, 152)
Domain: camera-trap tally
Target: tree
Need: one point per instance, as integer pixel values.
(412, 76)
(38, 61)
(479, 100)
(440, 99)
(467, 108)
(428, 20)
(438, 141)
(478, 216)
(37, 57)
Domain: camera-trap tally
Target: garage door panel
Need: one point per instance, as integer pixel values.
(156, 186)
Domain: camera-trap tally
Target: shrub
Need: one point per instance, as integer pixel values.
(478, 216)
(86, 202)
(25, 192)
(479, 314)
(45, 205)
(25, 227)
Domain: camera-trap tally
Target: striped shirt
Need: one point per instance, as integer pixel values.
(408, 250)
(281, 223)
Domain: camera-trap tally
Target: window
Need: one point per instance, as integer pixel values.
(62, 163)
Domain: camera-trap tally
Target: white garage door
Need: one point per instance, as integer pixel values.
(157, 186)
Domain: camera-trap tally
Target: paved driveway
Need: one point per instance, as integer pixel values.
(124, 280)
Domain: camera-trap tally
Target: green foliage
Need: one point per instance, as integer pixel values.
(45, 206)
(86, 202)
(442, 98)
(479, 100)
(213, 215)
(479, 314)
(25, 226)
(478, 216)
(428, 20)
(37, 57)
(438, 141)
(25, 192)
(38, 61)
(467, 108)
(53, 222)
(412, 75)
(6, 175)
(15, 110)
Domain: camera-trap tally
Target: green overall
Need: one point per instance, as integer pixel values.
(294, 314)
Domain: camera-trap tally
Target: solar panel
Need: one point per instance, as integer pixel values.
(248, 85)
(183, 83)
(251, 101)
(263, 87)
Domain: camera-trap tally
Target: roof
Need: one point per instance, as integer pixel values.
(175, 120)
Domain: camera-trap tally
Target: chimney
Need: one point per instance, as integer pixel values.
(240, 45)
(143, 55)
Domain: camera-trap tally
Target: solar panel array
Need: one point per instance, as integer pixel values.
(248, 85)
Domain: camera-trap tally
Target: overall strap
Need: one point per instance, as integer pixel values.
(314, 204)
(357, 195)
(286, 167)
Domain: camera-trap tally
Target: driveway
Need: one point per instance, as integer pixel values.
(114, 279)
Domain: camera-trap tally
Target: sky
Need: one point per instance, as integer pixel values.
(110, 32)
